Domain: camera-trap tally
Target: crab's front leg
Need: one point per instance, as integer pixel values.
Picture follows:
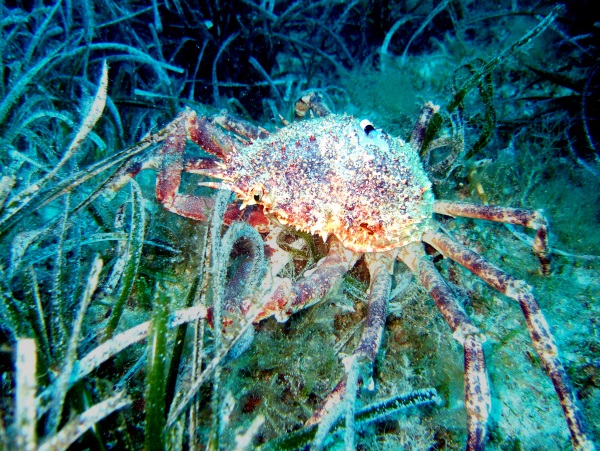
(286, 297)
(169, 161)
(172, 164)
(361, 361)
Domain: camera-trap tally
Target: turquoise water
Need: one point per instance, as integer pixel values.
(91, 261)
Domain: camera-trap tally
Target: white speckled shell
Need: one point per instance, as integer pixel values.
(326, 176)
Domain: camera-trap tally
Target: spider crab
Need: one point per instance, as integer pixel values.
(365, 193)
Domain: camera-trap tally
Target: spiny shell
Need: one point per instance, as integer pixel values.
(327, 176)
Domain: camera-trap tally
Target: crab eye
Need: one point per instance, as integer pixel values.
(367, 126)
(257, 193)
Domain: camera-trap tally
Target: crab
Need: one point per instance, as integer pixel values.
(368, 196)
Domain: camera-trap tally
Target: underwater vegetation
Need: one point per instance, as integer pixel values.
(108, 300)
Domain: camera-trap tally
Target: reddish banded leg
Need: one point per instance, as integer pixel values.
(531, 219)
(542, 338)
(277, 260)
(168, 178)
(169, 161)
(240, 126)
(380, 266)
(311, 102)
(287, 298)
(280, 297)
(477, 391)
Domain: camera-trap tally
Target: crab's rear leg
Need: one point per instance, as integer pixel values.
(531, 219)
(477, 391)
(541, 336)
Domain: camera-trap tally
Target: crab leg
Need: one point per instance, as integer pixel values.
(287, 298)
(240, 126)
(477, 391)
(380, 267)
(311, 101)
(531, 219)
(277, 260)
(540, 333)
(168, 179)
(418, 134)
(153, 161)
(169, 161)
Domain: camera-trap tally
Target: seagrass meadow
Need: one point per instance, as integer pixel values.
(108, 301)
